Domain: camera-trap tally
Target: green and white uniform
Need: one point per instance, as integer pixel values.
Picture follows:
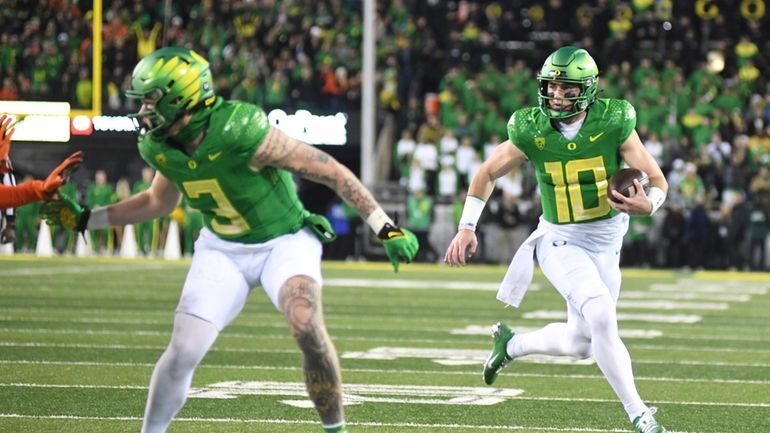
(253, 218)
(579, 237)
(573, 174)
(238, 203)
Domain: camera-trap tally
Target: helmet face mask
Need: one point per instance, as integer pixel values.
(569, 65)
(170, 83)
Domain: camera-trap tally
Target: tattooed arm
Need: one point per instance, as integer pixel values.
(281, 151)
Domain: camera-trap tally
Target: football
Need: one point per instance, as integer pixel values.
(623, 182)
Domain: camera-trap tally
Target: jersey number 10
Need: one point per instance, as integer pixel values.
(568, 191)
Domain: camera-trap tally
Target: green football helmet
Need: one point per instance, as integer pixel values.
(177, 80)
(569, 65)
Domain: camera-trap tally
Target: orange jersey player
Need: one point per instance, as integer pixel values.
(28, 192)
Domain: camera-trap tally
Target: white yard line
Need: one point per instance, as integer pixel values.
(435, 341)
(300, 386)
(81, 269)
(462, 427)
(411, 284)
(394, 371)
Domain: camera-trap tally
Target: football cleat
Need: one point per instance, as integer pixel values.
(645, 423)
(498, 358)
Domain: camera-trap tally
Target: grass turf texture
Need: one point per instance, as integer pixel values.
(79, 338)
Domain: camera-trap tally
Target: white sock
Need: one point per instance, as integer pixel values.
(171, 379)
(611, 354)
(554, 339)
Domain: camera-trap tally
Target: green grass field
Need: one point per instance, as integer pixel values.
(79, 338)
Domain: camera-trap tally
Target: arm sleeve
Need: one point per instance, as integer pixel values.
(15, 196)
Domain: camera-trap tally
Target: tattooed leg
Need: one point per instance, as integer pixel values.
(300, 300)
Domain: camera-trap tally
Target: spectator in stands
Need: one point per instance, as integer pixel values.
(419, 216)
(759, 219)
(426, 155)
(101, 193)
(192, 225)
(448, 181)
(464, 157)
(122, 192)
(8, 92)
(147, 232)
(27, 221)
(403, 155)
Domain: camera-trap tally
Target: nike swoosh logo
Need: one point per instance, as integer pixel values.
(595, 137)
(214, 156)
(392, 235)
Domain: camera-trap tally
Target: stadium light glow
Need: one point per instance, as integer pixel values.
(39, 120)
(311, 128)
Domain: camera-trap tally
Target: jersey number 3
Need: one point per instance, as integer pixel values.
(566, 181)
(224, 209)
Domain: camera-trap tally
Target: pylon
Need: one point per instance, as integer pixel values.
(6, 249)
(44, 247)
(81, 247)
(128, 247)
(173, 249)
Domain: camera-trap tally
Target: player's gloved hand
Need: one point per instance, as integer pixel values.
(400, 244)
(5, 143)
(65, 212)
(60, 175)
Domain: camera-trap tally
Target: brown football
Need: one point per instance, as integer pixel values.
(623, 182)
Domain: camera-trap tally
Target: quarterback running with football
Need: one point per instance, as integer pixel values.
(576, 142)
(229, 163)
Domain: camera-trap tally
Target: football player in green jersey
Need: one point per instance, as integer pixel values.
(576, 142)
(230, 164)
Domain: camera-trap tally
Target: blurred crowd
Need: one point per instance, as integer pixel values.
(451, 73)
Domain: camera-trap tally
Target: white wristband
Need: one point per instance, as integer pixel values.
(656, 197)
(378, 219)
(471, 213)
(98, 219)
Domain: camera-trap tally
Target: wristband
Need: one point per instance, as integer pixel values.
(98, 219)
(471, 212)
(656, 197)
(378, 219)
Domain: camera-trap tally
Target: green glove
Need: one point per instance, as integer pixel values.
(321, 227)
(400, 244)
(66, 212)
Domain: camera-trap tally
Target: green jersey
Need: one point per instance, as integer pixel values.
(140, 186)
(573, 174)
(100, 195)
(238, 202)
